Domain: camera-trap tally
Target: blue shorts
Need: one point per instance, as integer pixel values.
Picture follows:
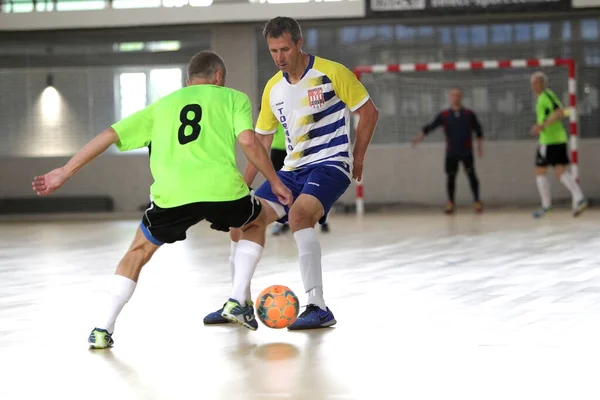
(325, 182)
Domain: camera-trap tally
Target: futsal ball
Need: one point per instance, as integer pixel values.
(277, 306)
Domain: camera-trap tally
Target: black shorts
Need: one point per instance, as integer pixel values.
(277, 158)
(169, 225)
(452, 162)
(552, 154)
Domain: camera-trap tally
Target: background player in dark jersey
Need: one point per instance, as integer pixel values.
(459, 123)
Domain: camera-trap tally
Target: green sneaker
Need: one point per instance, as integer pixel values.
(100, 339)
(216, 317)
(244, 316)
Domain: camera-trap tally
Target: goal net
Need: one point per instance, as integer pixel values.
(410, 95)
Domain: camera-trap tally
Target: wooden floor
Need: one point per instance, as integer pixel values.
(497, 306)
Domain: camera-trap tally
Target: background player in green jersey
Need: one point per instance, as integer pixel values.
(278, 155)
(552, 146)
(193, 133)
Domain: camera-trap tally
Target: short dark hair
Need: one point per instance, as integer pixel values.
(205, 64)
(279, 25)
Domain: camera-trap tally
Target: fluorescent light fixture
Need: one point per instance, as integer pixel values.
(128, 46)
(165, 45)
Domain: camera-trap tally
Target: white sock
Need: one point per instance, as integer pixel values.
(544, 188)
(120, 291)
(567, 179)
(232, 268)
(309, 251)
(247, 256)
(232, 260)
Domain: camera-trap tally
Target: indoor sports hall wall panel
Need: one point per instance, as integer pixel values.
(409, 175)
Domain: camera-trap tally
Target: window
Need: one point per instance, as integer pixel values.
(404, 32)
(566, 30)
(174, 3)
(367, 33)
(132, 93)
(501, 34)
(139, 87)
(20, 6)
(592, 56)
(522, 32)
(425, 31)
(445, 35)
(135, 3)
(44, 6)
(479, 35)
(312, 38)
(461, 34)
(348, 35)
(589, 29)
(200, 3)
(164, 82)
(541, 31)
(70, 5)
(385, 33)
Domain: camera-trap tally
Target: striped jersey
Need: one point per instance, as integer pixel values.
(315, 114)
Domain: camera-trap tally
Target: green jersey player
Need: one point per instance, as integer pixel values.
(193, 132)
(552, 146)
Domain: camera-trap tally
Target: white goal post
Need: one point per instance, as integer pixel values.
(569, 64)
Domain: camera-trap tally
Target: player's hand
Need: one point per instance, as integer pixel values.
(284, 195)
(480, 152)
(536, 129)
(357, 170)
(417, 139)
(49, 183)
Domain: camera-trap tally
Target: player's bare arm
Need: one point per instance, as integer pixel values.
(52, 181)
(557, 115)
(257, 155)
(251, 171)
(368, 115)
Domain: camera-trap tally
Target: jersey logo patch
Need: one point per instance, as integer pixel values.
(315, 98)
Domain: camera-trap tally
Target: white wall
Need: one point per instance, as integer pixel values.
(393, 174)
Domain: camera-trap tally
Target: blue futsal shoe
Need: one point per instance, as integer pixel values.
(234, 312)
(313, 318)
(215, 317)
